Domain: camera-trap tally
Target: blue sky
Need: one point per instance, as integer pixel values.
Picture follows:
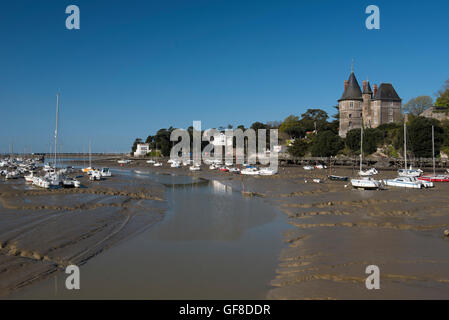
(137, 66)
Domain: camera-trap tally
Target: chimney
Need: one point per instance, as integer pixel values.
(364, 85)
(346, 84)
(374, 89)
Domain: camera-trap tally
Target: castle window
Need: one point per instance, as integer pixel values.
(351, 104)
(350, 124)
(350, 115)
(390, 115)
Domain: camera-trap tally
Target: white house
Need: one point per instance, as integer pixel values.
(142, 150)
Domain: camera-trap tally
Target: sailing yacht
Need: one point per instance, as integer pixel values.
(434, 177)
(366, 183)
(52, 177)
(89, 168)
(408, 172)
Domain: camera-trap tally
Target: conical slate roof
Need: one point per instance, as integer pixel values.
(352, 91)
(386, 92)
(368, 88)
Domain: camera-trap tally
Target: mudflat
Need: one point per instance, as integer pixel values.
(43, 231)
(334, 232)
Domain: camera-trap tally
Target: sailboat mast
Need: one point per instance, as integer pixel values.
(56, 129)
(90, 154)
(405, 145)
(361, 147)
(433, 149)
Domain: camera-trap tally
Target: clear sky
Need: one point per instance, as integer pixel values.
(137, 66)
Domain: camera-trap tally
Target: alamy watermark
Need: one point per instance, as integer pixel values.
(373, 280)
(373, 20)
(233, 143)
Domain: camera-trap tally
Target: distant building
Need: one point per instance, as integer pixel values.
(439, 113)
(142, 150)
(370, 107)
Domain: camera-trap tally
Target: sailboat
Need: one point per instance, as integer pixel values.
(434, 178)
(52, 177)
(366, 183)
(408, 172)
(408, 177)
(334, 177)
(89, 168)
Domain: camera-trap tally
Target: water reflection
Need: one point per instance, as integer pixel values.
(220, 188)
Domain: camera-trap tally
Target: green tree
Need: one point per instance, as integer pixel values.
(298, 148)
(419, 137)
(372, 138)
(292, 127)
(417, 105)
(353, 140)
(443, 99)
(326, 144)
(314, 117)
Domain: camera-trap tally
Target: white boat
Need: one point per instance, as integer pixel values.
(252, 171)
(234, 170)
(54, 179)
(151, 161)
(175, 164)
(157, 164)
(195, 168)
(105, 172)
(267, 172)
(410, 172)
(29, 177)
(187, 162)
(404, 182)
(308, 168)
(368, 173)
(41, 182)
(123, 161)
(320, 167)
(95, 175)
(47, 167)
(366, 183)
(12, 175)
(70, 183)
(317, 180)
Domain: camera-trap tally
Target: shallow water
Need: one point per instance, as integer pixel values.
(212, 244)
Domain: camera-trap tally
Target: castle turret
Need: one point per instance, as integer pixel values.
(350, 106)
(366, 105)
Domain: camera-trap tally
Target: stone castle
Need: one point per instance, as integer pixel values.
(367, 107)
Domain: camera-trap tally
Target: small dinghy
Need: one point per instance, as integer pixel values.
(337, 178)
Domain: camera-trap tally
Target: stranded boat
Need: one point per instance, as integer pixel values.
(366, 184)
(407, 182)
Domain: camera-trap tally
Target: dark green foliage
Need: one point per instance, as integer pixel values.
(372, 138)
(298, 148)
(353, 140)
(419, 137)
(326, 144)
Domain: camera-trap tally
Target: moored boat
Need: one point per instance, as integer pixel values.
(366, 184)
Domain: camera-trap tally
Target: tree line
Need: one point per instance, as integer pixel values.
(315, 134)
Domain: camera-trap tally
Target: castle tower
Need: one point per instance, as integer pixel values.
(385, 105)
(350, 106)
(366, 105)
